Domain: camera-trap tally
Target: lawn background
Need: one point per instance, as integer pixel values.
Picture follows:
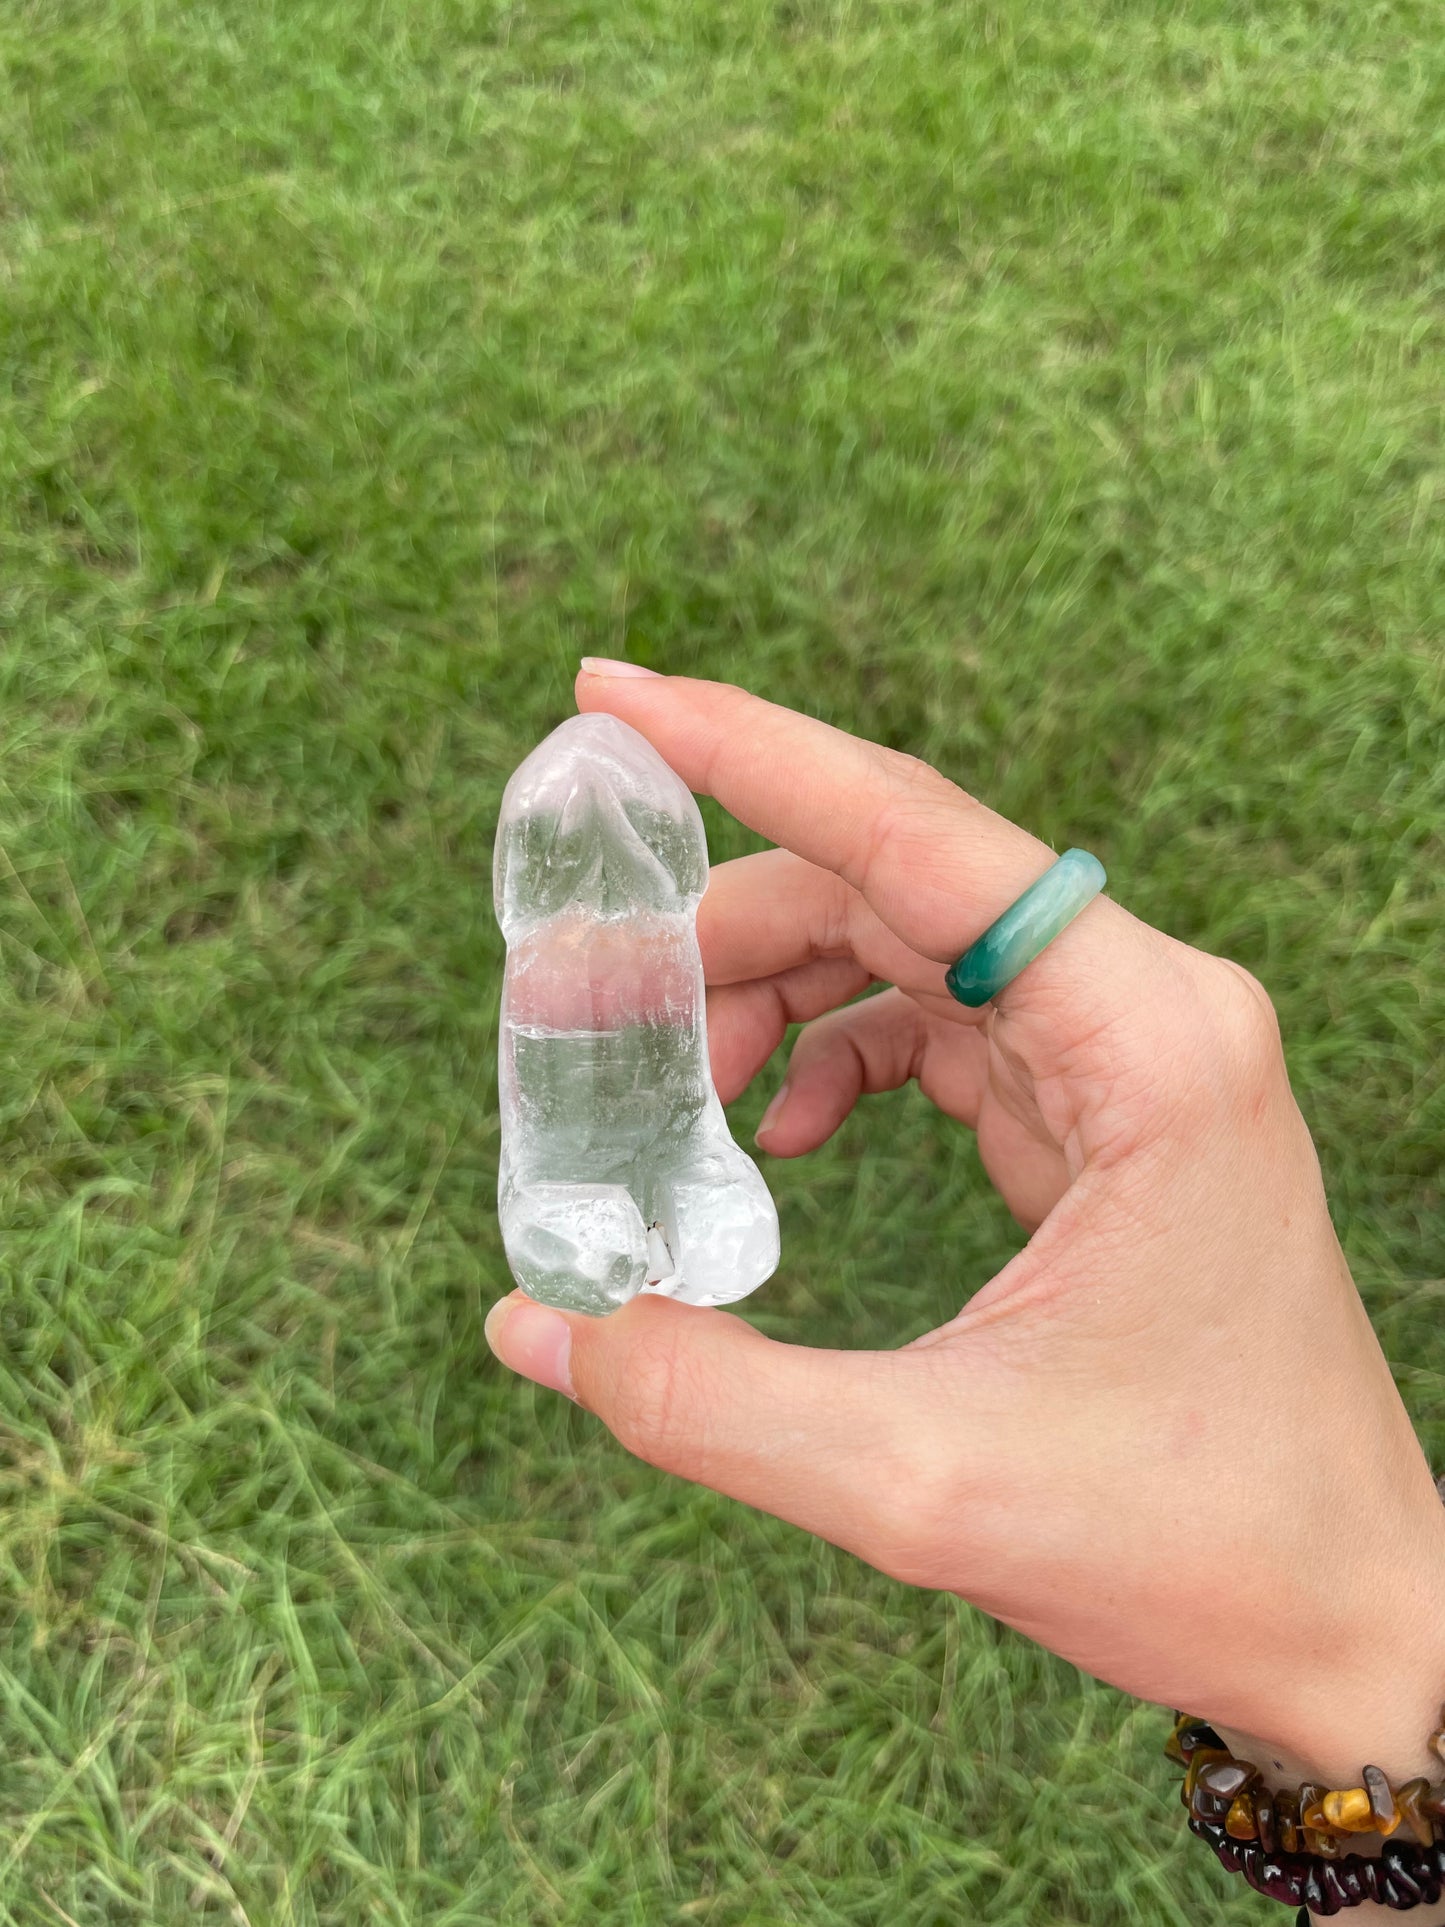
(1054, 391)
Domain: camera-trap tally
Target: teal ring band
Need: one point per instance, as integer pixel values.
(1029, 924)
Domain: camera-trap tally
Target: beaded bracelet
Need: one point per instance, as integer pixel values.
(1304, 1918)
(1289, 1845)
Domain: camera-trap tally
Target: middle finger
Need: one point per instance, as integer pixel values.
(775, 911)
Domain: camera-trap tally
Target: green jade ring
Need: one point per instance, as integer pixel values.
(1028, 926)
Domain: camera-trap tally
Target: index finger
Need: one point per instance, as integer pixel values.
(934, 863)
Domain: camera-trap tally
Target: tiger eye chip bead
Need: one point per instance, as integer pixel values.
(1201, 1757)
(1324, 1846)
(1411, 1801)
(1382, 1801)
(1193, 1733)
(1234, 1777)
(1187, 1735)
(1239, 1822)
(1218, 1789)
(1316, 1839)
(1264, 1819)
(1286, 1820)
(1349, 1811)
(1205, 1805)
(1312, 1815)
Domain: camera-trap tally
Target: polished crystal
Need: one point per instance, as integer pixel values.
(618, 1174)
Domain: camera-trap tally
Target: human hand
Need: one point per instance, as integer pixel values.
(1163, 1440)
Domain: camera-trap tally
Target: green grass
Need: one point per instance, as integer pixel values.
(1054, 391)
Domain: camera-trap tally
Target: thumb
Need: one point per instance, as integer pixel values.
(840, 1443)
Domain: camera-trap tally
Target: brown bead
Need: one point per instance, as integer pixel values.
(1282, 1877)
(1352, 1879)
(1248, 1859)
(1286, 1820)
(1264, 1819)
(1201, 1757)
(1349, 1811)
(1382, 1801)
(1400, 1889)
(1317, 1897)
(1234, 1777)
(1333, 1883)
(1407, 1866)
(1313, 1816)
(1325, 1846)
(1205, 1805)
(1239, 1822)
(1185, 1735)
(1230, 1854)
(1411, 1802)
(1434, 1802)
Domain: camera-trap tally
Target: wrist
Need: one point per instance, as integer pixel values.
(1366, 1680)
(1361, 1681)
(1381, 1700)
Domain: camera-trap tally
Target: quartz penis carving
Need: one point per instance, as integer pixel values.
(618, 1174)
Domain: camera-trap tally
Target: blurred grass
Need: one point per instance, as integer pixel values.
(1055, 392)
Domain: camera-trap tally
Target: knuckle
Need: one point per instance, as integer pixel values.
(648, 1410)
(912, 772)
(1252, 1040)
(915, 799)
(926, 789)
(1237, 1053)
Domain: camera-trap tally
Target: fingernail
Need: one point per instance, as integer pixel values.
(608, 666)
(770, 1116)
(533, 1340)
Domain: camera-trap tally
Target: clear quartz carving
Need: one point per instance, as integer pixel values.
(618, 1174)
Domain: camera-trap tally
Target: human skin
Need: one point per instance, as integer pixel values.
(1163, 1441)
